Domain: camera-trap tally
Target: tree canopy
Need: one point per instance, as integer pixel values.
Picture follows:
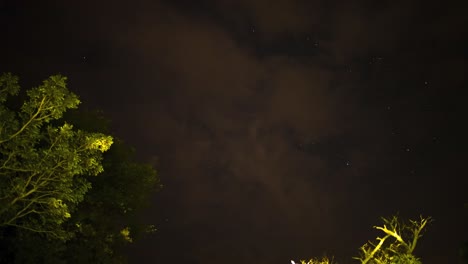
(52, 208)
(42, 166)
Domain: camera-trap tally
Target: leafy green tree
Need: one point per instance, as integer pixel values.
(42, 166)
(106, 220)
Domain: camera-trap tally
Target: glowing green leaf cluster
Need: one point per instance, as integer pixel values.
(43, 162)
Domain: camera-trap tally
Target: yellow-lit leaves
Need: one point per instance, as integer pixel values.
(125, 233)
(40, 161)
(397, 245)
(50, 100)
(97, 141)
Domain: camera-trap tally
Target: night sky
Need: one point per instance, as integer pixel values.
(280, 129)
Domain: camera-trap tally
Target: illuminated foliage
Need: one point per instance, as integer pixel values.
(106, 220)
(397, 245)
(48, 211)
(113, 204)
(42, 165)
(323, 260)
(126, 234)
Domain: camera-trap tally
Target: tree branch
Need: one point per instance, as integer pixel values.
(39, 109)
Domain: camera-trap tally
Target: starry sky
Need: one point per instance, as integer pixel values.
(280, 129)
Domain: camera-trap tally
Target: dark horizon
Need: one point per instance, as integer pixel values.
(280, 130)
